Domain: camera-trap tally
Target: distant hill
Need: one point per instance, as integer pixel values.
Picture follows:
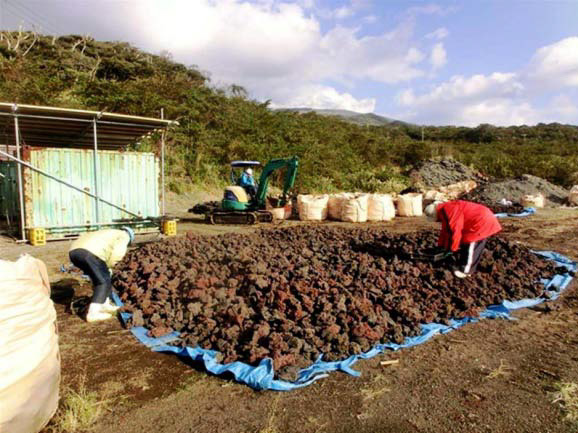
(349, 116)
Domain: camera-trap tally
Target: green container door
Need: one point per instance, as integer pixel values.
(127, 179)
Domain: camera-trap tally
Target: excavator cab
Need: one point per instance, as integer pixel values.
(238, 207)
(238, 197)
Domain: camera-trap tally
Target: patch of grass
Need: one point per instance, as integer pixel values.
(80, 410)
(270, 428)
(194, 381)
(502, 371)
(376, 388)
(567, 397)
(317, 424)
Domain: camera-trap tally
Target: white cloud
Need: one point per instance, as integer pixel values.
(319, 96)
(502, 98)
(439, 34)
(387, 58)
(438, 57)
(430, 9)
(562, 109)
(343, 12)
(556, 65)
(306, 4)
(495, 98)
(271, 47)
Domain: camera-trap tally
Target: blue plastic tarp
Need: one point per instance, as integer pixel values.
(526, 212)
(261, 377)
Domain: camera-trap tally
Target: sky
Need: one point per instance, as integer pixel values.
(503, 62)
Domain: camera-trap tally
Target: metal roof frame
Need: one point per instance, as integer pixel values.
(235, 164)
(63, 127)
(39, 126)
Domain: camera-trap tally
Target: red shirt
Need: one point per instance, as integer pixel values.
(464, 222)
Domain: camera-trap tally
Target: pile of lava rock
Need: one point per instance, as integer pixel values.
(293, 294)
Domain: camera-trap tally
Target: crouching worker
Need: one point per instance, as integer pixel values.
(466, 226)
(96, 253)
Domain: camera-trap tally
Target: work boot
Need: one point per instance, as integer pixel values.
(109, 307)
(461, 274)
(96, 313)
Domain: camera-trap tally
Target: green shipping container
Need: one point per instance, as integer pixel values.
(130, 180)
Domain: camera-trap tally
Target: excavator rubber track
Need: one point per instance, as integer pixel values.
(231, 217)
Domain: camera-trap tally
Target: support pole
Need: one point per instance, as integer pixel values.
(42, 172)
(163, 166)
(95, 167)
(20, 185)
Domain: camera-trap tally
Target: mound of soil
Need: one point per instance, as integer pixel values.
(514, 208)
(514, 189)
(293, 294)
(435, 173)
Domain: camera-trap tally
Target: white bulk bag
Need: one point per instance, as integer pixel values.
(29, 357)
(335, 203)
(573, 196)
(409, 204)
(278, 213)
(380, 207)
(354, 209)
(312, 207)
(533, 201)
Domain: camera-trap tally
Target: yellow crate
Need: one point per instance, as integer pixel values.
(169, 228)
(37, 236)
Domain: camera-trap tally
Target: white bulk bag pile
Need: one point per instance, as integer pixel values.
(335, 203)
(573, 196)
(29, 357)
(380, 207)
(433, 195)
(354, 210)
(409, 204)
(312, 207)
(536, 201)
(455, 190)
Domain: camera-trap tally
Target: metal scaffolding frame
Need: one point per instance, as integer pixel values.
(118, 124)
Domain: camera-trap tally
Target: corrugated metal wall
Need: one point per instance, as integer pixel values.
(127, 179)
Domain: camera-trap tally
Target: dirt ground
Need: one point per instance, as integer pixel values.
(493, 376)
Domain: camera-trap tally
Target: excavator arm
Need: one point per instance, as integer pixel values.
(291, 165)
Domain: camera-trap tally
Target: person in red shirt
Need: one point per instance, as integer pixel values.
(466, 226)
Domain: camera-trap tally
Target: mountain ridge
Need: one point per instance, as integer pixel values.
(363, 119)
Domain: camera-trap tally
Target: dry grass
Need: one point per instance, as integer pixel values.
(502, 371)
(79, 411)
(567, 397)
(270, 428)
(377, 387)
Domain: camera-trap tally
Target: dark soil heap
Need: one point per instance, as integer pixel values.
(514, 189)
(293, 294)
(436, 173)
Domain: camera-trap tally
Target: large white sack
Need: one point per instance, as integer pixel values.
(409, 205)
(354, 209)
(536, 201)
(455, 190)
(573, 196)
(312, 207)
(29, 356)
(380, 207)
(335, 203)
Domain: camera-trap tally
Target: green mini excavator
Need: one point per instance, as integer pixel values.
(239, 206)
